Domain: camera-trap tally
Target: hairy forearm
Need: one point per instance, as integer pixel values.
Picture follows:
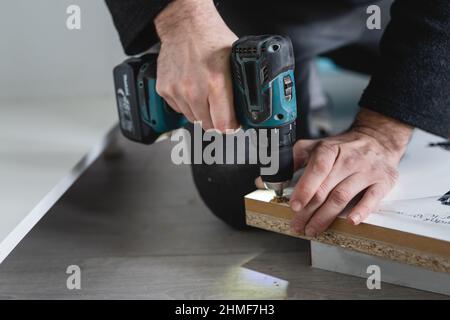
(392, 134)
(185, 15)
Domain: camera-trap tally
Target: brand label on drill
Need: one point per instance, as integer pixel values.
(126, 121)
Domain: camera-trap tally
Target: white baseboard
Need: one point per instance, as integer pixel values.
(337, 259)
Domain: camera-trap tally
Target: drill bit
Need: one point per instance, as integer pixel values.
(282, 199)
(277, 187)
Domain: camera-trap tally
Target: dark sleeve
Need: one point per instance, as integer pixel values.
(413, 82)
(134, 22)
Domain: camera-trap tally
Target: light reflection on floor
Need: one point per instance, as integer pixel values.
(241, 283)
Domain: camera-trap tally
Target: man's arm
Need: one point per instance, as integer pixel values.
(193, 73)
(133, 20)
(413, 83)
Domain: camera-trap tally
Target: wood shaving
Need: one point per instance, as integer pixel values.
(279, 199)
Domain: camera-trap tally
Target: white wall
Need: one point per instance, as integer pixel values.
(41, 58)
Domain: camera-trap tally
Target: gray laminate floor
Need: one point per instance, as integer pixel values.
(138, 230)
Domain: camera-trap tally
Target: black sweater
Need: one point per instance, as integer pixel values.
(412, 84)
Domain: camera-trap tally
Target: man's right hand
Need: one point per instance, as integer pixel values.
(194, 74)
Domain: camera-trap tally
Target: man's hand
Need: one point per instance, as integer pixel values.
(362, 160)
(194, 75)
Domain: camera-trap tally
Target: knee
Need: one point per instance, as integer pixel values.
(223, 187)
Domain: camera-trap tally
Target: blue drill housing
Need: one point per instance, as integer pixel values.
(263, 81)
(283, 110)
(157, 114)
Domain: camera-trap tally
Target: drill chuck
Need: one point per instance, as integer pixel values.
(283, 155)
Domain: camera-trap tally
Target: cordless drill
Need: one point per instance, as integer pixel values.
(264, 98)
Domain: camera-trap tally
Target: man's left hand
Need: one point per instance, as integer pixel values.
(362, 160)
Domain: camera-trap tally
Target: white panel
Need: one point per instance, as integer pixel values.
(349, 262)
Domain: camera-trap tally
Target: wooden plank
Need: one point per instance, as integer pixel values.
(433, 254)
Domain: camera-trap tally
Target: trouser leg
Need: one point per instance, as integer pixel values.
(222, 187)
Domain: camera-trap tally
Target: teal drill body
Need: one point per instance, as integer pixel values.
(264, 95)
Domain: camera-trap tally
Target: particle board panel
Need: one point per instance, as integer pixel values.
(413, 249)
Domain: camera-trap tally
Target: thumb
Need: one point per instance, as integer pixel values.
(302, 151)
(259, 183)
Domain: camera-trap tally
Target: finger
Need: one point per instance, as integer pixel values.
(221, 105)
(167, 93)
(259, 183)
(198, 104)
(185, 110)
(201, 113)
(341, 171)
(338, 199)
(302, 217)
(368, 203)
(318, 168)
(172, 104)
(302, 151)
(336, 176)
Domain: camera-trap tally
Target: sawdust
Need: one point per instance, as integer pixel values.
(279, 199)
